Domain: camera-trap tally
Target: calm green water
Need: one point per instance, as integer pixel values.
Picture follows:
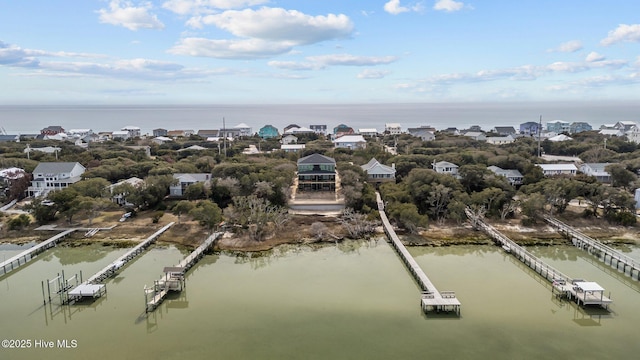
(349, 301)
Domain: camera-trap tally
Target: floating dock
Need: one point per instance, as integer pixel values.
(173, 278)
(26, 256)
(432, 299)
(94, 288)
(581, 291)
(604, 253)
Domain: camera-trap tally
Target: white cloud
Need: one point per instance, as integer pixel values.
(124, 13)
(448, 5)
(230, 49)
(394, 7)
(277, 24)
(293, 65)
(263, 33)
(15, 56)
(594, 56)
(568, 47)
(624, 32)
(373, 74)
(184, 7)
(352, 60)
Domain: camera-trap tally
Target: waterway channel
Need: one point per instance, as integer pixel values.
(352, 300)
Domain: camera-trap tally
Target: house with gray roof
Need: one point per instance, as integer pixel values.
(597, 170)
(316, 173)
(445, 167)
(378, 173)
(505, 130)
(52, 176)
(513, 176)
(183, 181)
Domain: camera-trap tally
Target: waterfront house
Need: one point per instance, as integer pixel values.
(611, 132)
(476, 135)
(105, 135)
(530, 128)
(183, 181)
(121, 135)
(578, 127)
(513, 176)
(392, 129)
(268, 132)
(51, 176)
(316, 173)
(229, 133)
(79, 133)
(445, 167)
(175, 134)
(292, 147)
(159, 132)
(505, 130)
(342, 129)
(451, 131)
(133, 131)
(52, 130)
(624, 125)
(300, 130)
(9, 176)
(289, 127)
(208, 133)
(289, 139)
(597, 170)
(560, 138)
(120, 197)
(368, 132)
(245, 130)
(558, 126)
(161, 140)
(633, 134)
(319, 129)
(424, 134)
(350, 142)
(378, 173)
(558, 169)
(500, 140)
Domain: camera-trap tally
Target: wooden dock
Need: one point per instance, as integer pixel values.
(604, 253)
(26, 256)
(173, 278)
(579, 290)
(94, 287)
(431, 299)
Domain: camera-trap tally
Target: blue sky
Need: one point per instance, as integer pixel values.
(317, 51)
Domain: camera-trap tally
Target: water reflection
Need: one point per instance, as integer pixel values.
(71, 255)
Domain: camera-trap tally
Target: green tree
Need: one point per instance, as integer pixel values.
(407, 216)
(182, 207)
(620, 176)
(94, 187)
(207, 213)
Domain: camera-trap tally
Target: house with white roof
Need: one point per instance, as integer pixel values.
(633, 134)
(597, 170)
(445, 167)
(560, 138)
(500, 140)
(368, 132)
(611, 132)
(378, 173)
(624, 125)
(289, 139)
(558, 169)
(185, 180)
(393, 128)
(161, 140)
(79, 133)
(245, 130)
(292, 147)
(120, 197)
(133, 131)
(476, 135)
(51, 176)
(350, 142)
(122, 135)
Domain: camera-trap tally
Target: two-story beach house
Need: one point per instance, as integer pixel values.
(183, 181)
(558, 169)
(51, 176)
(445, 167)
(350, 142)
(316, 173)
(268, 132)
(597, 170)
(513, 176)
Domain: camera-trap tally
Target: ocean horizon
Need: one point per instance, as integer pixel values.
(30, 119)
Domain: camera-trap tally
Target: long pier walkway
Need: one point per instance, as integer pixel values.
(26, 256)
(94, 287)
(604, 253)
(579, 290)
(432, 299)
(173, 278)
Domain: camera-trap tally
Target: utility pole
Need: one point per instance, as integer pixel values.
(539, 135)
(224, 134)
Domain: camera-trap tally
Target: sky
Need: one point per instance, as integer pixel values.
(317, 51)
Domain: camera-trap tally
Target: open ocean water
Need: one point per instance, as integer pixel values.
(22, 119)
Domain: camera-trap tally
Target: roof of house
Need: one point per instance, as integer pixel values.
(55, 167)
(614, 132)
(12, 173)
(9, 138)
(350, 139)
(162, 138)
(374, 167)
(394, 125)
(598, 168)
(473, 133)
(292, 146)
(316, 159)
(192, 177)
(368, 130)
(561, 137)
(509, 173)
(557, 122)
(440, 164)
(242, 126)
(556, 167)
(129, 127)
(193, 147)
(505, 129)
(204, 133)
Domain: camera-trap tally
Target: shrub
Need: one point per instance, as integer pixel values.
(156, 216)
(19, 222)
